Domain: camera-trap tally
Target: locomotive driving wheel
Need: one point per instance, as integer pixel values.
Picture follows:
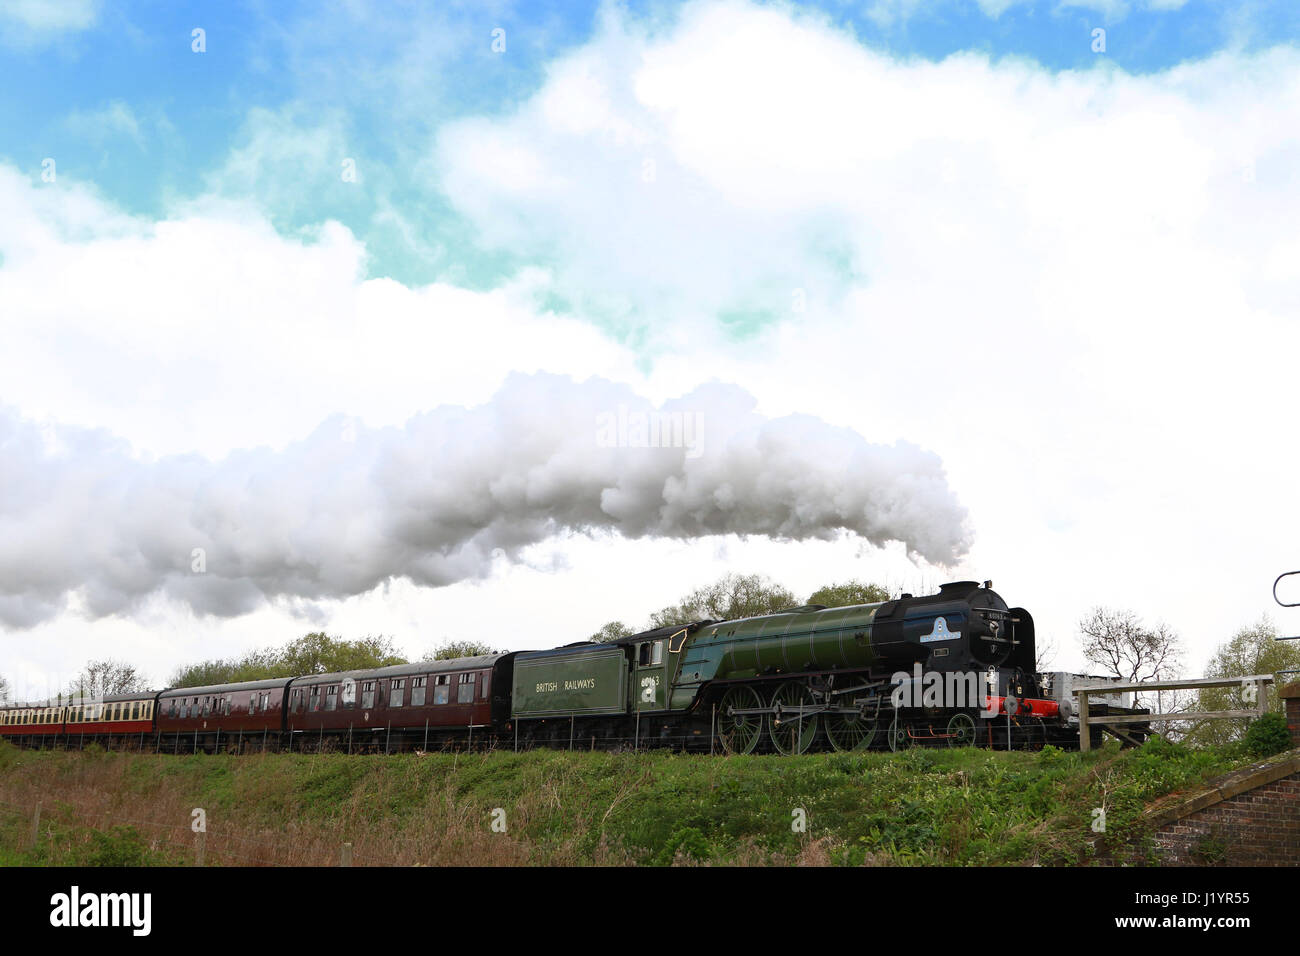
(851, 731)
(792, 732)
(896, 735)
(961, 731)
(739, 733)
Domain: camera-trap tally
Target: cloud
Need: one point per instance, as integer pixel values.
(746, 160)
(208, 331)
(1092, 271)
(35, 22)
(887, 13)
(439, 500)
(112, 120)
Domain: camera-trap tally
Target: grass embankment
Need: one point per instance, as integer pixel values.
(918, 807)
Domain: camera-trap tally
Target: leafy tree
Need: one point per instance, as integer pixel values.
(1252, 650)
(613, 631)
(101, 678)
(450, 650)
(315, 653)
(318, 653)
(848, 593)
(731, 596)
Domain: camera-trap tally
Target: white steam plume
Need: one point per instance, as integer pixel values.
(349, 507)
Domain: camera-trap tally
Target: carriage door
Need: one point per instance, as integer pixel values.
(648, 683)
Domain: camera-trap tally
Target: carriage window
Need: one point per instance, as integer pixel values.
(465, 690)
(483, 686)
(395, 692)
(135, 710)
(368, 695)
(417, 691)
(441, 689)
(265, 705)
(315, 697)
(331, 697)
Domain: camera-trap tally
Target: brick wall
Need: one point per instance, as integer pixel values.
(1290, 696)
(1260, 827)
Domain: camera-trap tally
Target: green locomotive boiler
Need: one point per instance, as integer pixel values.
(954, 667)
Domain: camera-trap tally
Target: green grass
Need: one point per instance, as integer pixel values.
(934, 807)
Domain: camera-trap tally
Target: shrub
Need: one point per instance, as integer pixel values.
(1268, 735)
(687, 841)
(120, 846)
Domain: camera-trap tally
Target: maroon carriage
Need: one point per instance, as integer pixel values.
(233, 717)
(422, 705)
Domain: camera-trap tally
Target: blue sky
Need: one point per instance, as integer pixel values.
(951, 294)
(121, 101)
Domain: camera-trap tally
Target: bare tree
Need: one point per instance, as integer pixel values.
(100, 678)
(1119, 642)
(1045, 651)
(4, 690)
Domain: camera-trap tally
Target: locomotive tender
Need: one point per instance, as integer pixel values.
(954, 668)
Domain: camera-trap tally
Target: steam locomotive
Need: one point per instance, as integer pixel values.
(956, 668)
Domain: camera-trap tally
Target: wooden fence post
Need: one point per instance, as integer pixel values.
(36, 825)
(345, 858)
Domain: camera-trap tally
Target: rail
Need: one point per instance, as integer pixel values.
(1257, 682)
